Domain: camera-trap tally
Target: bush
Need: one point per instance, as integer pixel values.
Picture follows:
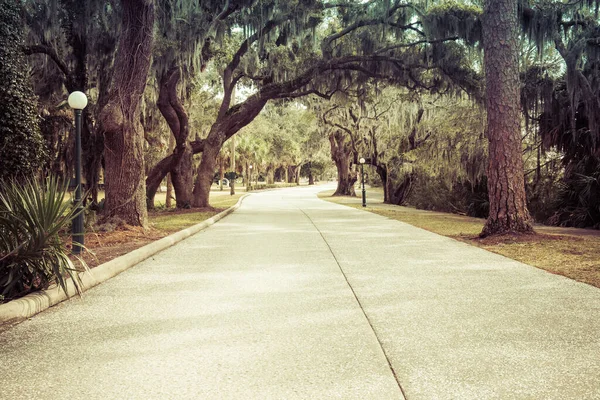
(32, 255)
(22, 147)
(461, 197)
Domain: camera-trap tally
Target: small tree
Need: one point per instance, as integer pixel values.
(22, 150)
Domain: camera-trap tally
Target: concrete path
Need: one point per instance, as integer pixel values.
(291, 297)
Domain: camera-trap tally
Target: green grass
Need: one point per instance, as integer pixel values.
(174, 220)
(568, 254)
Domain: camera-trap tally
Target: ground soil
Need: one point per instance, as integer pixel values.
(104, 245)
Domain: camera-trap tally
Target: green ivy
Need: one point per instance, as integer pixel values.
(22, 148)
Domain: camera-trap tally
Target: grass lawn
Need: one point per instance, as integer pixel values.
(174, 220)
(571, 255)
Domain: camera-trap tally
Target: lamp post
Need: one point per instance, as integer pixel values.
(78, 101)
(362, 178)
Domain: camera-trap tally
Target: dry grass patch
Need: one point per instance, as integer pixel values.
(119, 240)
(576, 257)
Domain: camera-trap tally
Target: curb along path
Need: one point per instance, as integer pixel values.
(20, 309)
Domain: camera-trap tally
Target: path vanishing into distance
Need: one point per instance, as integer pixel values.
(292, 297)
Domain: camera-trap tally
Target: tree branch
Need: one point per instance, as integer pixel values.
(398, 46)
(50, 52)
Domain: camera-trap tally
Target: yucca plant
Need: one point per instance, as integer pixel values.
(32, 254)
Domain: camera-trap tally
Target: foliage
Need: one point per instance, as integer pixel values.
(578, 202)
(22, 150)
(460, 197)
(564, 105)
(32, 255)
(451, 18)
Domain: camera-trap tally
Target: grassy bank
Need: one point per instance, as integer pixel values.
(567, 253)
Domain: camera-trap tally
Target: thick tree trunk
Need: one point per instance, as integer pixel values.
(291, 175)
(341, 152)
(182, 175)
(225, 127)
(91, 141)
(346, 179)
(508, 206)
(383, 175)
(160, 171)
(174, 113)
(270, 174)
(155, 178)
(398, 190)
(311, 178)
(206, 171)
(119, 120)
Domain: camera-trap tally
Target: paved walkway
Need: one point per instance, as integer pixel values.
(292, 297)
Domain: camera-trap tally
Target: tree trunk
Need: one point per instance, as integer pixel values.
(160, 171)
(346, 179)
(398, 190)
(311, 178)
(206, 171)
(174, 113)
(182, 174)
(270, 174)
(383, 175)
(169, 194)
(221, 171)
(508, 206)
(91, 141)
(291, 175)
(232, 167)
(341, 152)
(155, 178)
(248, 177)
(225, 127)
(119, 120)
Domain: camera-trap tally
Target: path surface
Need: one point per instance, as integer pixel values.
(277, 319)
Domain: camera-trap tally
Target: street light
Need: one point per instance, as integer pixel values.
(362, 177)
(78, 101)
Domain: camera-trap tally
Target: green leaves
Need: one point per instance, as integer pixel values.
(32, 255)
(22, 147)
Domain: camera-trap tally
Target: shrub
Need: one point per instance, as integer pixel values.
(22, 148)
(460, 197)
(32, 255)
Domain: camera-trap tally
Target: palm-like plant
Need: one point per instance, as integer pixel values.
(32, 254)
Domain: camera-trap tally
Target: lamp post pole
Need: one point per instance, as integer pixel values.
(362, 177)
(78, 101)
